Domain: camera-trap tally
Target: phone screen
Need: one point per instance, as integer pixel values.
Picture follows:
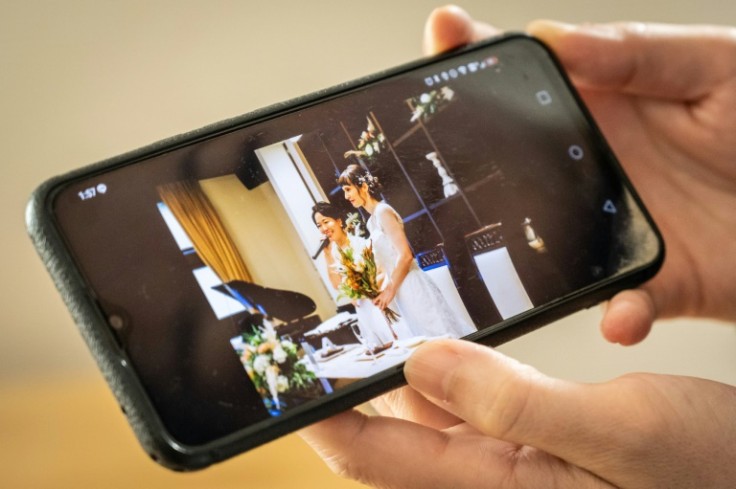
(239, 272)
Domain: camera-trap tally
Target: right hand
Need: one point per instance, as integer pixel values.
(472, 417)
(327, 251)
(665, 97)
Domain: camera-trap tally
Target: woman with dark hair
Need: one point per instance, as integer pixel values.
(329, 221)
(419, 301)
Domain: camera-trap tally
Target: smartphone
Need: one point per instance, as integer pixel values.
(225, 279)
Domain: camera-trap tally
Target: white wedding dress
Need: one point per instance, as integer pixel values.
(374, 328)
(422, 306)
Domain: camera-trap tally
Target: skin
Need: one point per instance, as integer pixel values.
(360, 197)
(332, 230)
(665, 97)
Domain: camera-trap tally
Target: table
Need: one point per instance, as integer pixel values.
(354, 363)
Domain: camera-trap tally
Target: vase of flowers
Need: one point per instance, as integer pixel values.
(354, 225)
(370, 144)
(428, 104)
(273, 365)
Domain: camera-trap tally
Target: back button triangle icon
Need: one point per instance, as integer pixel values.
(609, 207)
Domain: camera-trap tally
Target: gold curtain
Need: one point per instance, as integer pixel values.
(200, 221)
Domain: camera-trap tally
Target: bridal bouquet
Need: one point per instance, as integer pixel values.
(359, 272)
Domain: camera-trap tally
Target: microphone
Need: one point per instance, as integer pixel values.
(325, 242)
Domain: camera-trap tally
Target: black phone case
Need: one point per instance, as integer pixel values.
(121, 377)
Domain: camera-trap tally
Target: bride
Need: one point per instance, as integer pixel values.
(420, 302)
(374, 329)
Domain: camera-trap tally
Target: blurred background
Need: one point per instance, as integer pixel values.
(85, 80)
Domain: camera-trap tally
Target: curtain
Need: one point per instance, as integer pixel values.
(200, 221)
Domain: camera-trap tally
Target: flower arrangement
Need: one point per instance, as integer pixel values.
(428, 104)
(359, 274)
(354, 225)
(370, 143)
(273, 365)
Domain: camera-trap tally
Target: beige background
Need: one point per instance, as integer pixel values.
(85, 80)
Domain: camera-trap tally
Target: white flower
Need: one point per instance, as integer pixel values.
(269, 332)
(358, 229)
(287, 345)
(425, 98)
(369, 150)
(261, 363)
(282, 384)
(279, 354)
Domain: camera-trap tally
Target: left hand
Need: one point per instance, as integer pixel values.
(475, 418)
(665, 98)
(472, 417)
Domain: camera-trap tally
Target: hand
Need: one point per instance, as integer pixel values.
(327, 251)
(385, 297)
(665, 98)
(475, 418)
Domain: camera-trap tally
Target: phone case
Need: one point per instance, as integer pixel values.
(121, 378)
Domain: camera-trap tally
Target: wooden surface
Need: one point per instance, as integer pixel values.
(71, 434)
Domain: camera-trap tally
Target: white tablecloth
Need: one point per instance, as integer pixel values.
(354, 363)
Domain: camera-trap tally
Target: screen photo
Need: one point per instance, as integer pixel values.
(273, 264)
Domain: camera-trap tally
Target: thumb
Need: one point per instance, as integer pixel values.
(450, 26)
(658, 60)
(513, 402)
(629, 316)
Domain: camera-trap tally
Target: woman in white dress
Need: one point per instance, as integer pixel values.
(373, 326)
(419, 301)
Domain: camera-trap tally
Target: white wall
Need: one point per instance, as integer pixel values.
(266, 239)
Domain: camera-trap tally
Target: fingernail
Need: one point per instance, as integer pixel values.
(430, 369)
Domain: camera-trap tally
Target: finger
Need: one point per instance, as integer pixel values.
(408, 404)
(382, 407)
(449, 27)
(388, 452)
(647, 59)
(515, 403)
(391, 453)
(628, 317)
